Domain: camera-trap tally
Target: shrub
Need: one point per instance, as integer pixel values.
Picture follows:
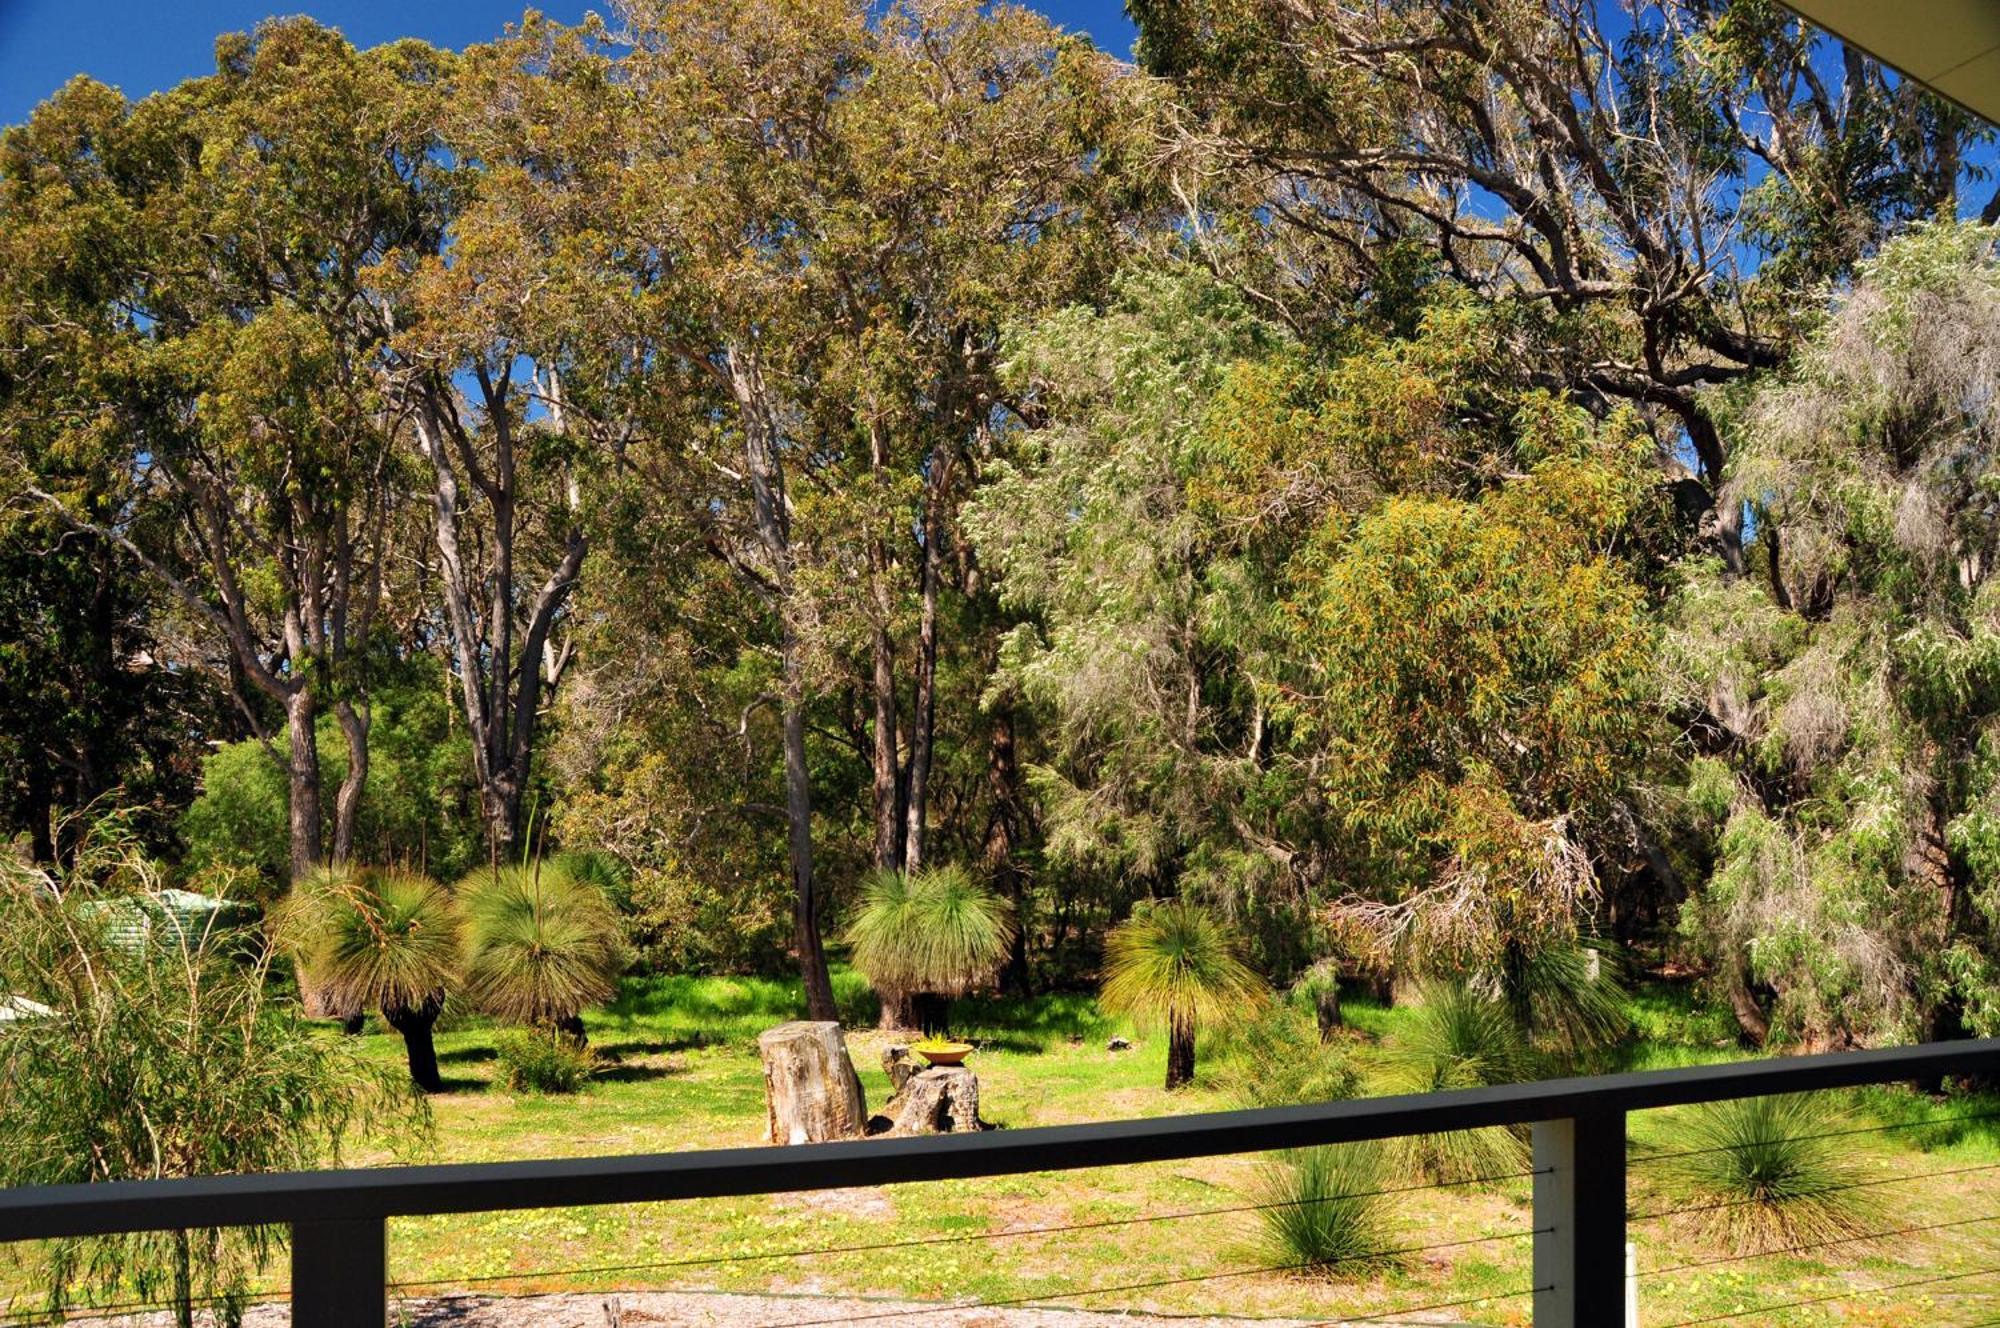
(162, 1058)
(384, 938)
(1764, 1175)
(1459, 1038)
(1327, 1213)
(1175, 963)
(1277, 1060)
(933, 934)
(539, 1060)
(1571, 1000)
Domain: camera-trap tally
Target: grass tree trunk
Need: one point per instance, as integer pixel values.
(415, 1024)
(1180, 1052)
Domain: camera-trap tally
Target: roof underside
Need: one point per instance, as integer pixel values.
(1950, 46)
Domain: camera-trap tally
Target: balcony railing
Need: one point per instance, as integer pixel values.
(339, 1256)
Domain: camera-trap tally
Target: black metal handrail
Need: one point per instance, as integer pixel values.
(337, 1217)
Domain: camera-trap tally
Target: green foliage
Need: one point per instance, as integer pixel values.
(1276, 1059)
(1175, 963)
(164, 1059)
(1460, 1038)
(417, 807)
(542, 942)
(1327, 1214)
(542, 1060)
(1854, 678)
(374, 938)
(1570, 1000)
(1764, 1174)
(936, 931)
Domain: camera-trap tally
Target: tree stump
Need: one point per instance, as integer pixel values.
(941, 1100)
(898, 1065)
(810, 1086)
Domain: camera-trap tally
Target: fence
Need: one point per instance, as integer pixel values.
(339, 1263)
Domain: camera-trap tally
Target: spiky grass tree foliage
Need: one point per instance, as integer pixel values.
(161, 1058)
(1763, 1174)
(1326, 1212)
(1175, 964)
(380, 937)
(1569, 999)
(926, 938)
(542, 944)
(1460, 1038)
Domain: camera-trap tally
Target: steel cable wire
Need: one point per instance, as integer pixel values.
(1659, 1213)
(1817, 1245)
(1029, 1301)
(1851, 1294)
(958, 1237)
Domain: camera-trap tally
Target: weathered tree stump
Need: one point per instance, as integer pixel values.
(810, 1086)
(898, 1064)
(941, 1100)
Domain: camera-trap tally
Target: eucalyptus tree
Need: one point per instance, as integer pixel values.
(1662, 186)
(509, 363)
(234, 412)
(825, 213)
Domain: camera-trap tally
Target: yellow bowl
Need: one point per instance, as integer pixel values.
(943, 1053)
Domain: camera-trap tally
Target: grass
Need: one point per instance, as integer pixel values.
(680, 1071)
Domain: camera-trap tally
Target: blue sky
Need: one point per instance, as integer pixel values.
(142, 46)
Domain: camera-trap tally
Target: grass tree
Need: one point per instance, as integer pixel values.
(542, 944)
(1176, 964)
(1461, 1037)
(925, 938)
(384, 937)
(1765, 1173)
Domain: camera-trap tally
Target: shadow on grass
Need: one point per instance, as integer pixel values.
(661, 1046)
(634, 1074)
(467, 1055)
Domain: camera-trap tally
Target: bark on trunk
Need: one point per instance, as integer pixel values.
(941, 1100)
(1327, 1007)
(303, 770)
(1180, 1053)
(1003, 830)
(354, 725)
(415, 1024)
(813, 973)
(923, 717)
(1749, 1016)
(811, 1092)
(886, 780)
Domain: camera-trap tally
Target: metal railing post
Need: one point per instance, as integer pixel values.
(340, 1273)
(1580, 1221)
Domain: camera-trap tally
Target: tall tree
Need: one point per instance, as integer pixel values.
(826, 207)
(229, 227)
(1664, 184)
(506, 363)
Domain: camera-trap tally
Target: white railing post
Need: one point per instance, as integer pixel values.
(1580, 1221)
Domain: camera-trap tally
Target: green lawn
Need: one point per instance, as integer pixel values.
(683, 1073)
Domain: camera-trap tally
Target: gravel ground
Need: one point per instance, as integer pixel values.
(651, 1309)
